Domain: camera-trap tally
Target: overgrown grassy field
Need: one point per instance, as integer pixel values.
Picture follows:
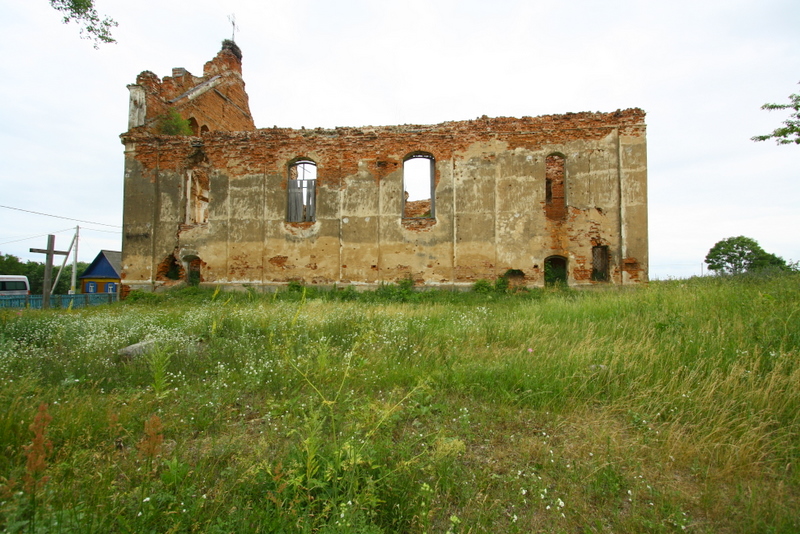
(672, 407)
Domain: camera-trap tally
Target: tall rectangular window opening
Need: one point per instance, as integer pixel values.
(418, 186)
(600, 263)
(302, 191)
(197, 193)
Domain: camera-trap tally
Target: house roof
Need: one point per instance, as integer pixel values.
(107, 264)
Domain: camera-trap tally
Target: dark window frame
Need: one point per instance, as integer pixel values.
(601, 261)
(301, 193)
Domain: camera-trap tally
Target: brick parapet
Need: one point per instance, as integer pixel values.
(339, 151)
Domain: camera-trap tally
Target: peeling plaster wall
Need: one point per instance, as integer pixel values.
(490, 202)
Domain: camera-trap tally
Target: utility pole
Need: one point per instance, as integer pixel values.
(74, 263)
(74, 243)
(48, 267)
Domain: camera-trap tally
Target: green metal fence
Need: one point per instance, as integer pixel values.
(58, 301)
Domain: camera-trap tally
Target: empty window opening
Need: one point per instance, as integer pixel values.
(302, 191)
(555, 200)
(197, 193)
(418, 185)
(555, 271)
(194, 126)
(600, 263)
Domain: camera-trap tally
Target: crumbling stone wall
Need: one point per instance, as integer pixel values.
(216, 101)
(494, 209)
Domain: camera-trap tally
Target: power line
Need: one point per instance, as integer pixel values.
(103, 231)
(70, 229)
(42, 235)
(60, 217)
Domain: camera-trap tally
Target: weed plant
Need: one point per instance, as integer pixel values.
(671, 407)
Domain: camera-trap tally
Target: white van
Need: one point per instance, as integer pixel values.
(12, 284)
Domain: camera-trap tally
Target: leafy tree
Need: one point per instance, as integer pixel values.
(84, 13)
(790, 131)
(11, 265)
(736, 255)
(768, 260)
(35, 272)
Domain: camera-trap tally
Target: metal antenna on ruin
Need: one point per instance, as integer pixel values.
(234, 27)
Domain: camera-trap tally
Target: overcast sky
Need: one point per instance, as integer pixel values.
(700, 69)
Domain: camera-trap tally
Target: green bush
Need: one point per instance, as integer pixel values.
(482, 286)
(171, 123)
(501, 285)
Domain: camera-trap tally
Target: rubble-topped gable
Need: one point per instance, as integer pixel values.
(216, 101)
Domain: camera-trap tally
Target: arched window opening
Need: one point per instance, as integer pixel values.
(555, 198)
(302, 191)
(418, 186)
(600, 263)
(555, 271)
(194, 126)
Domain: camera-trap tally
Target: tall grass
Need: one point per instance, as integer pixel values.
(672, 407)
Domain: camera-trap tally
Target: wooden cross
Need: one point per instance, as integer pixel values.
(48, 267)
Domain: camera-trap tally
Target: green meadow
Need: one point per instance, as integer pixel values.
(673, 407)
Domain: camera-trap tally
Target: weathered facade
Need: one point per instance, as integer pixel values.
(532, 198)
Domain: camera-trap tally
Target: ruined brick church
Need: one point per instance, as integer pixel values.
(534, 199)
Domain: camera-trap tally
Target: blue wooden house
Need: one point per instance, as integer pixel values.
(102, 275)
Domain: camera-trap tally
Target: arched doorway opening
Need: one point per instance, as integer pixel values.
(555, 271)
(193, 274)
